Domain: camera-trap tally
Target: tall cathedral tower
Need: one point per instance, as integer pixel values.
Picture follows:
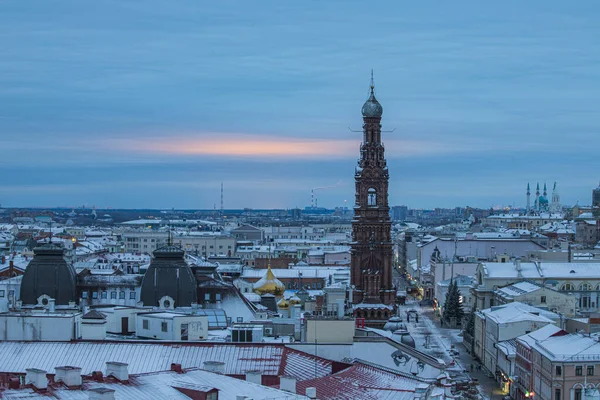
(371, 274)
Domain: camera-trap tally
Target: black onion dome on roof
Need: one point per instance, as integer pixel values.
(169, 275)
(49, 274)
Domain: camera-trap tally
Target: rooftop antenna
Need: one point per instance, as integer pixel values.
(221, 200)
(50, 240)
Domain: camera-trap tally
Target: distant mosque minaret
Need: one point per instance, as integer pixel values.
(541, 203)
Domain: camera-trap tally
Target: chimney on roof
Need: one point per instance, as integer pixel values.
(51, 305)
(217, 367)
(37, 378)
(311, 392)
(98, 376)
(70, 376)
(118, 370)
(176, 368)
(288, 384)
(101, 393)
(254, 377)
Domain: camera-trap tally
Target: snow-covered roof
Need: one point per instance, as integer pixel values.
(540, 334)
(161, 385)
(144, 357)
(307, 272)
(507, 347)
(573, 347)
(519, 288)
(514, 312)
(545, 270)
(362, 381)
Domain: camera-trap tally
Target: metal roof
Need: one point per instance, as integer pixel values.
(145, 357)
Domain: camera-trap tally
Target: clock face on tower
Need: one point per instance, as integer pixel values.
(371, 263)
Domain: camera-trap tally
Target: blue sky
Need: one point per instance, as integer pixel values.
(153, 104)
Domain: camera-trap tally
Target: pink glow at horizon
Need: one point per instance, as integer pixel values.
(237, 145)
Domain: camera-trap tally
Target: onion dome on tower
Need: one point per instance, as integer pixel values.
(269, 284)
(48, 276)
(283, 304)
(169, 281)
(372, 108)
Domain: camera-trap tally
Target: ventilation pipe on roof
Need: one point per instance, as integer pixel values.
(254, 377)
(288, 384)
(217, 367)
(37, 378)
(311, 392)
(118, 370)
(101, 393)
(70, 376)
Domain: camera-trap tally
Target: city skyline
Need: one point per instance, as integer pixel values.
(124, 106)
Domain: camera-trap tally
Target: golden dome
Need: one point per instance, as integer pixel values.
(269, 284)
(294, 300)
(283, 304)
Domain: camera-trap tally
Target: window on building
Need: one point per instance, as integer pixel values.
(590, 370)
(163, 327)
(104, 294)
(579, 370)
(84, 295)
(220, 247)
(206, 296)
(113, 295)
(211, 396)
(94, 295)
(1, 293)
(577, 394)
(558, 370)
(371, 197)
(122, 295)
(543, 300)
(132, 295)
(145, 324)
(218, 296)
(211, 246)
(557, 394)
(11, 293)
(567, 287)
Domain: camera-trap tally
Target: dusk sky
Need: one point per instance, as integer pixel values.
(152, 104)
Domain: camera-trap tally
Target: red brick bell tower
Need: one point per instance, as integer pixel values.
(371, 273)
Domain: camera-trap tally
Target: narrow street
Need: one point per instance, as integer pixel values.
(431, 338)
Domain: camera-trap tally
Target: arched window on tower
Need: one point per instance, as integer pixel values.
(371, 197)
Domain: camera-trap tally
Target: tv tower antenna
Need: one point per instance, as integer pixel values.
(221, 200)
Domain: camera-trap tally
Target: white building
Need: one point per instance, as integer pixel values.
(40, 326)
(172, 326)
(537, 296)
(581, 280)
(9, 292)
(501, 323)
